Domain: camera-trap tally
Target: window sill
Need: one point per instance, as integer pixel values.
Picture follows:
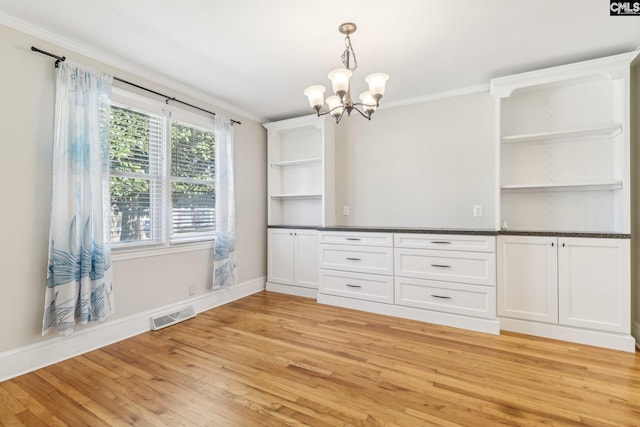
(120, 254)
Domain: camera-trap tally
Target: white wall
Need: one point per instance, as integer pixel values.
(141, 284)
(420, 165)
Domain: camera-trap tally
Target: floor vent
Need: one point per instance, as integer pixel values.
(165, 320)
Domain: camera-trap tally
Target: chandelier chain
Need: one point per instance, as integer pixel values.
(349, 55)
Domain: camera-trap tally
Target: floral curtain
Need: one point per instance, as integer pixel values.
(224, 264)
(79, 288)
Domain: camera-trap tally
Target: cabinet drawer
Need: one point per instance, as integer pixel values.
(446, 242)
(356, 238)
(370, 287)
(455, 298)
(359, 259)
(467, 267)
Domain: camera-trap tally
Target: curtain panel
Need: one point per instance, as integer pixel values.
(79, 279)
(224, 264)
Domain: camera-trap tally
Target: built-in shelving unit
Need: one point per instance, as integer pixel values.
(300, 195)
(563, 138)
(563, 143)
(300, 176)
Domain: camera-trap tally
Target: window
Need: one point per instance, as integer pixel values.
(192, 181)
(162, 174)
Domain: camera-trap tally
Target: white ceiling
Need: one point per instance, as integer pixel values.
(260, 55)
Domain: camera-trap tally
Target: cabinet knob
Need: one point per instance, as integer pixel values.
(563, 245)
(552, 244)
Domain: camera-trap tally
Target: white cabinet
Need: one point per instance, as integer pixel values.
(593, 284)
(452, 274)
(578, 287)
(528, 278)
(293, 261)
(359, 259)
(356, 265)
(300, 178)
(563, 135)
(448, 279)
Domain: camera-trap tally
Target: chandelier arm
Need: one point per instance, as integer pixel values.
(331, 110)
(366, 116)
(366, 105)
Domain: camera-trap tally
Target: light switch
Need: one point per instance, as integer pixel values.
(477, 210)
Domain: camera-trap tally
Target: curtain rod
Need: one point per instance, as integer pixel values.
(167, 98)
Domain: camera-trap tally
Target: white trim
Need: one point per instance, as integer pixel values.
(292, 290)
(25, 359)
(614, 341)
(469, 90)
(488, 326)
(635, 332)
(123, 253)
(117, 62)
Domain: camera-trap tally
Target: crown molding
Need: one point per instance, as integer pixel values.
(469, 90)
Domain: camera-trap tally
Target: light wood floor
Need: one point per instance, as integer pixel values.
(272, 359)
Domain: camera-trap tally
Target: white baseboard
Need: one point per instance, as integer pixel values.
(292, 290)
(635, 331)
(610, 340)
(487, 326)
(25, 359)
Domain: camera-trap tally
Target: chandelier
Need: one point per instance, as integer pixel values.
(340, 102)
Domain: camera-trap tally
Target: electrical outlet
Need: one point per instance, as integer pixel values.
(192, 290)
(477, 210)
(345, 210)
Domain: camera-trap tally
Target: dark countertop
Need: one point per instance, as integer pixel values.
(480, 232)
(597, 235)
(367, 229)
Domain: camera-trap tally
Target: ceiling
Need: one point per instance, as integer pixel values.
(259, 55)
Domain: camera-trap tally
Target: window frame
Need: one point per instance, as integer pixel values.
(169, 113)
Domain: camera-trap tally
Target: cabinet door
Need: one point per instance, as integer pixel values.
(594, 283)
(527, 278)
(280, 256)
(306, 258)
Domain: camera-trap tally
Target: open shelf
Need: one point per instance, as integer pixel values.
(295, 196)
(565, 186)
(298, 162)
(609, 131)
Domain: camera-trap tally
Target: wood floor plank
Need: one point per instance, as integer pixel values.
(271, 359)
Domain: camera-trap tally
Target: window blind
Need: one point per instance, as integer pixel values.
(136, 158)
(192, 177)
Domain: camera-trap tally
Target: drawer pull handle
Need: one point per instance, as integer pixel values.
(440, 242)
(353, 259)
(352, 238)
(440, 296)
(440, 265)
(353, 286)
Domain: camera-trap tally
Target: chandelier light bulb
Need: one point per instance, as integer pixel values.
(340, 81)
(369, 103)
(316, 96)
(335, 106)
(377, 83)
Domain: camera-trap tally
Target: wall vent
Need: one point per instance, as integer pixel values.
(162, 321)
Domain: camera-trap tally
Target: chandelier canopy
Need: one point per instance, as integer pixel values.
(340, 102)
